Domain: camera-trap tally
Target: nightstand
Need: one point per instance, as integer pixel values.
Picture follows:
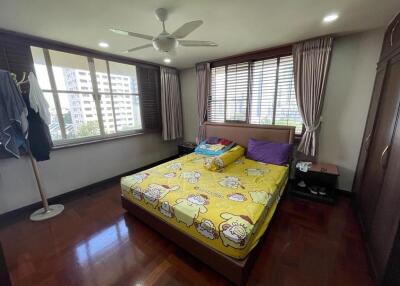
(318, 183)
(186, 148)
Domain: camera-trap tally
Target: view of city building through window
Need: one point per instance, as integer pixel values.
(87, 97)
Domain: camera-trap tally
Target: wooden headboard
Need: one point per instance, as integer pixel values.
(241, 133)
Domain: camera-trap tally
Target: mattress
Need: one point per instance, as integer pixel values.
(228, 211)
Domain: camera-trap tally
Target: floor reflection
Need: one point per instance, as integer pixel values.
(98, 244)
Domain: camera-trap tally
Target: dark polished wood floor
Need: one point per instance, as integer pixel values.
(94, 242)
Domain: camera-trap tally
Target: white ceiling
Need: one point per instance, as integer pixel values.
(237, 26)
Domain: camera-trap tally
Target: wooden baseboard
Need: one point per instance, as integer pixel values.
(12, 216)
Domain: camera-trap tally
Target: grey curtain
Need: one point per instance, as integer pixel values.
(203, 87)
(171, 106)
(311, 62)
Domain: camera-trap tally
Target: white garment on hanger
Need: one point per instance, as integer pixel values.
(36, 99)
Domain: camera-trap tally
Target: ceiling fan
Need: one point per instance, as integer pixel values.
(166, 42)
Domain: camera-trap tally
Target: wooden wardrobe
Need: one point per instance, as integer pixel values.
(377, 181)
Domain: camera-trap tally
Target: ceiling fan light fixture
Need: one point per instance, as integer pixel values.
(167, 42)
(164, 43)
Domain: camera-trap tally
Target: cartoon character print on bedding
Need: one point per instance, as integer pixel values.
(219, 164)
(166, 209)
(235, 231)
(174, 167)
(191, 177)
(170, 175)
(137, 192)
(261, 197)
(207, 162)
(230, 182)
(136, 179)
(133, 181)
(188, 209)
(154, 192)
(207, 229)
(237, 197)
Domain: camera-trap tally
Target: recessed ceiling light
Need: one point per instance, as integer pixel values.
(104, 45)
(330, 18)
(167, 60)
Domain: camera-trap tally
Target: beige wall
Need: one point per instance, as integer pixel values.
(76, 167)
(349, 89)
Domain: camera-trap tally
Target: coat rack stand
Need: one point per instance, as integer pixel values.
(48, 211)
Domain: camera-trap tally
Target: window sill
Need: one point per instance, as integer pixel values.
(94, 140)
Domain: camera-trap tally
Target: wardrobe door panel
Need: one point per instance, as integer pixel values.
(373, 107)
(378, 149)
(386, 219)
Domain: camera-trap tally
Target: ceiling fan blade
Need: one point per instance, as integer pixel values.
(186, 29)
(132, 34)
(139, 48)
(197, 43)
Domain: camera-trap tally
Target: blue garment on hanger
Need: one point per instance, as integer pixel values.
(13, 115)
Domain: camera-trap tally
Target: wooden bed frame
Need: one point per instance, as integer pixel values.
(235, 270)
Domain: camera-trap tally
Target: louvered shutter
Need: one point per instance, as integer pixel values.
(286, 111)
(216, 99)
(263, 89)
(237, 85)
(149, 90)
(229, 93)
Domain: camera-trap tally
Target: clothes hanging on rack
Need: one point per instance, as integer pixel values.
(39, 137)
(13, 115)
(36, 99)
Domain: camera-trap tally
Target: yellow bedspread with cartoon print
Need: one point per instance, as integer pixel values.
(228, 210)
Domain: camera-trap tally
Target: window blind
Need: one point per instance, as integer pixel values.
(259, 92)
(263, 89)
(216, 99)
(237, 84)
(286, 111)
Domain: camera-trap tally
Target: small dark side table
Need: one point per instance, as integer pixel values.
(320, 175)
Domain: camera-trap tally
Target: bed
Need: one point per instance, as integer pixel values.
(219, 217)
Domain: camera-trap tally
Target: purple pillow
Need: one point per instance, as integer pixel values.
(268, 152)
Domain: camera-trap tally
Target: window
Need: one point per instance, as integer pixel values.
(76, 103)
(129, 97)
(256, 92)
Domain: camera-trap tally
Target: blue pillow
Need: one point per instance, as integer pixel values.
(207, 149)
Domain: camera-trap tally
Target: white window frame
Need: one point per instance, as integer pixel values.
(96, 98)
